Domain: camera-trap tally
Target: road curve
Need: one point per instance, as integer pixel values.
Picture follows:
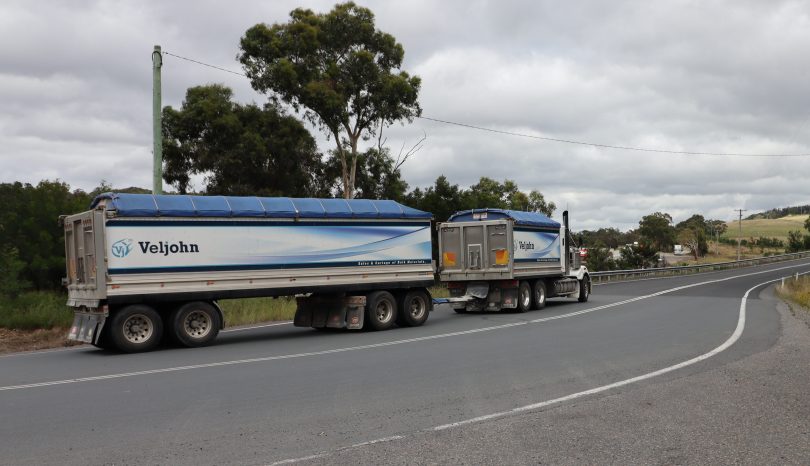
(279, 393)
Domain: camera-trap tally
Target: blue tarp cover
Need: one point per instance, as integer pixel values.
(533, 219)
(175, 205)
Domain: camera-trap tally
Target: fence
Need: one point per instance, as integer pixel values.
(622, 275)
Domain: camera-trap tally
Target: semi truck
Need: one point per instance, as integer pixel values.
(144, 268)
(495, 259)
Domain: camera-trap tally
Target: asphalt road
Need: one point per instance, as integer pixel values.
(476, 388)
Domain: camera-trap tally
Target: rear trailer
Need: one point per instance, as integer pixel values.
(141, 268)
(495, 259)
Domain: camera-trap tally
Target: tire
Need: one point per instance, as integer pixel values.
(195, 324)
(524, 303)
(539, 294)
(103, 341)
(135, 328)
(381, 311)
(584, 289)
(414, 308)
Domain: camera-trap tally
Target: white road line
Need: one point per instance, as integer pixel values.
(241, 329)
(303, 458)
(365, 347)
(328, 453)
(531, 407)
(535, 406)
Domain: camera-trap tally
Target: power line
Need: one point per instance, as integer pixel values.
(607, 146)
(533, 136)
(205, 64)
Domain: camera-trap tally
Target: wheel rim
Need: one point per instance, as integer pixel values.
(384, 311)
(197, 324)
(417, 308)
(138, 328)
(525, 297)
(541, 295)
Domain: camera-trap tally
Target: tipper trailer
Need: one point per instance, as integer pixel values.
(495, 259)
(142, 267)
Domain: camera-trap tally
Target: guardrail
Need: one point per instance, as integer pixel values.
(624, 275)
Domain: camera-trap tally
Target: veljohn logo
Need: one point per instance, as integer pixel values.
(121, 248)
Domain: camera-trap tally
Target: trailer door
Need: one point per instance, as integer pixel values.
(84, 258)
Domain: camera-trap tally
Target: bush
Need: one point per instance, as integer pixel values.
(11, 285)
(797, 290)
(35, 309)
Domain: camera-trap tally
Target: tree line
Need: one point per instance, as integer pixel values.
(640, 247)
(781, 212)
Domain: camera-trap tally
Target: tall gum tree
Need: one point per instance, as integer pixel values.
(336, 68)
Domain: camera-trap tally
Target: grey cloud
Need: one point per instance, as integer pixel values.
(709, 76)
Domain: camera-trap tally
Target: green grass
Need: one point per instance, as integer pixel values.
(439, 291)
(768, 228)
(35, 309)
(797, 290)
(254, 310)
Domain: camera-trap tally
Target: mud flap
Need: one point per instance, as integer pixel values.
(509, 298)
(86, 327)
(355, 311)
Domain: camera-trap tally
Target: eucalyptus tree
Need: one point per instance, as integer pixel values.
(341, 72)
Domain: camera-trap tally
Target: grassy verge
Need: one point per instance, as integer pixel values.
(796, 290)
(439, 291)
(35, 310)
(255, 310)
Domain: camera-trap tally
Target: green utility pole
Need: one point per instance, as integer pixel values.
(157, 137)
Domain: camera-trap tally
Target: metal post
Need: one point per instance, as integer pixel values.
(739, 235)
(157, 135)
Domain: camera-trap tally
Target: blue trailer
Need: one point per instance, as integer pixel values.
(141, 266)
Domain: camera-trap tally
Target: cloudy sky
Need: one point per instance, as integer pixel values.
(696, 76)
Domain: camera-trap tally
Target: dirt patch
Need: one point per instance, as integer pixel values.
(12, 341)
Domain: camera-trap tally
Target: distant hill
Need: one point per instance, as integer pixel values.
(767, 227)
(781, 212)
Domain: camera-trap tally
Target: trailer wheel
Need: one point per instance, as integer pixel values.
(524, 297)
(414, 308)
(539, 294)
(195, 324)
(381, 311)
(584, 289)
(136, 328)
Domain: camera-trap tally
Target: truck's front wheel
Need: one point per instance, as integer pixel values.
(136, 328)
(584, 289)
(195, 324)
(381, 310)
